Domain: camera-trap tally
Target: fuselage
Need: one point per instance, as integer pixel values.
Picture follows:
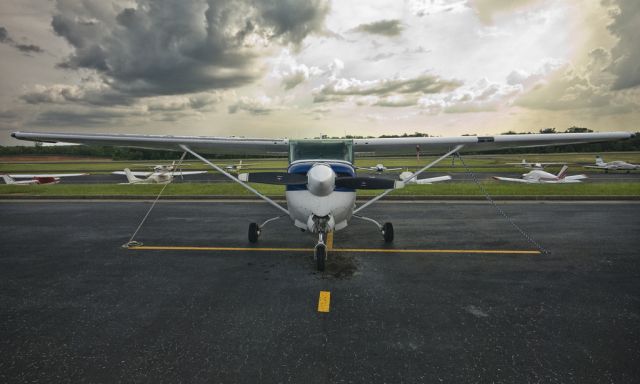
(319, 199)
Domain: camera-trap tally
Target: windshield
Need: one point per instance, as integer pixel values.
(321, 149)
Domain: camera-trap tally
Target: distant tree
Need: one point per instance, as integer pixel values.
(575, 129)
(548, 130)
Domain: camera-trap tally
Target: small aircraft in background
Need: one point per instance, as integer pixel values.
(162, 174)
(429, 180)
(613, 165)
(526, 164)
(538, 176)
(378, 168)
(38, 179)
(235, 168)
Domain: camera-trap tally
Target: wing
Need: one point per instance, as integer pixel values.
(433, 179)
(392, 169)
(200, 144)
(247, 146)
(144, 174)
(18, 176)
(426, 145)
(594, 166)
(512, 180)
(188, 173)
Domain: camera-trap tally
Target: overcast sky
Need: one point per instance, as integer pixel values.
(301, 68)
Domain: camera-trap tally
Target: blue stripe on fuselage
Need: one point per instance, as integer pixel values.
(340, 169)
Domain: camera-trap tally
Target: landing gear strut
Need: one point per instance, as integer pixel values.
(320, 253)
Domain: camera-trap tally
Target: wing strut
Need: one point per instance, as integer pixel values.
(383, 194)
(252, 190)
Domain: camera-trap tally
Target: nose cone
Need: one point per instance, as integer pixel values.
(321, 180)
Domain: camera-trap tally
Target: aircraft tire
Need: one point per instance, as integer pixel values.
(254, 233)
(387, 232)
(321, 256)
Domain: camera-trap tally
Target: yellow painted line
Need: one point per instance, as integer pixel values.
(480, 251)
(372, 250)
(330, 241)
(324, 301)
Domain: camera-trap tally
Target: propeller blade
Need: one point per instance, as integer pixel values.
(278, 178)
(368, 183)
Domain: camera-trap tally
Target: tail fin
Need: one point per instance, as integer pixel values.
(8, 179)
(599, 160)
(130, 177)
(563, 172)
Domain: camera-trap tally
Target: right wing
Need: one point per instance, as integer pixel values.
(18, 176)
(594, 166)
(143, 174)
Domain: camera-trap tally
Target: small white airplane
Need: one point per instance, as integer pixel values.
(429, 180)
(162, 174)
(236, 167)
(321, 180)
(613, 165)
(526, 164)
(378, 168)
(37, 179)
(538, 176)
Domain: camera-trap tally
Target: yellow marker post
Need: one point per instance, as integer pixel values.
(330, 241)
(324, 301)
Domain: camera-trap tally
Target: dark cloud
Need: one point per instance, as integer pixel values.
(66, 118)
(253, 106)
(26, 48)
(166, 47)
(625, 56)
(383, 27)
(339, 89)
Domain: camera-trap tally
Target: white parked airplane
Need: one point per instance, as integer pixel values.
(378, 168)
(321, 180)
(613, 165)
(162, 174)
(525, 164)
(38, 179)
(236, 167)
(538, 176)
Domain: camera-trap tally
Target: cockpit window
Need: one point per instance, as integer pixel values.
(321, 150)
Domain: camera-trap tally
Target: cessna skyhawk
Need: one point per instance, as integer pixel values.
(162, 174)
(378, 168)
(613, 165)
(38, 179)
(538, 165)
(538, 176)
(321, 180)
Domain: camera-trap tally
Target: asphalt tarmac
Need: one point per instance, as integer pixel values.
(76, 307)
(214, 177)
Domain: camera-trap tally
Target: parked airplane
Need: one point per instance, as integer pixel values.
(162, 174)
(538, 176)
(525, 164)
(37, 179)
(613, 165)
(378, 168)
(236, 167)
(321, 180)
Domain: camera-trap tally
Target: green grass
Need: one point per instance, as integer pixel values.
(232, 189)
(478, 163)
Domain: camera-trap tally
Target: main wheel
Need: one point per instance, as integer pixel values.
(387, 232)
(254, 232)
(321, 256)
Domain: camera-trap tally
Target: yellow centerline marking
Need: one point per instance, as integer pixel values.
(330, 241)
(329, 246)
(324, 300)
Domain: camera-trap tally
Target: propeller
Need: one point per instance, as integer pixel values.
(283, 178)
(278, 178)
(366, 182)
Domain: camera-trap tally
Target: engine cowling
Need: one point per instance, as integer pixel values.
(321, 180)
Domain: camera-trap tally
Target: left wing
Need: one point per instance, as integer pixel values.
(512, 180)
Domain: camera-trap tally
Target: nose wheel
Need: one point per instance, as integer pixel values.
(320, 252)
(387, 232)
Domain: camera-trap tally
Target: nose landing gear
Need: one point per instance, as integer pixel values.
(320, 252)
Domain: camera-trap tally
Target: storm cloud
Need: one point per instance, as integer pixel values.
(625, 55)
(166, 47)
(26, 48)
(388, 28)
